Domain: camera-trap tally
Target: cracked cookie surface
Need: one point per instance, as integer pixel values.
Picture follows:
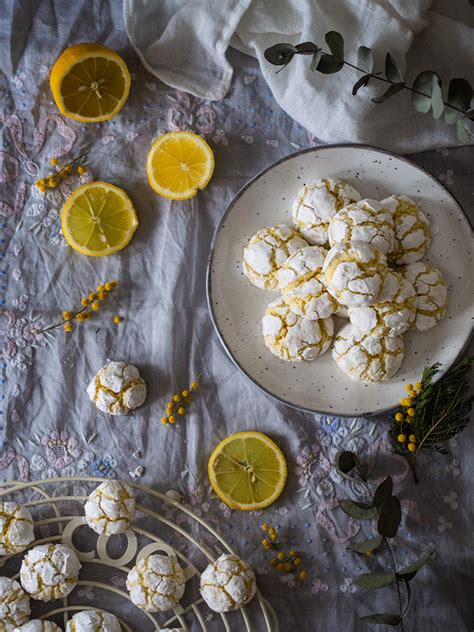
(38, 625)
(367, 221)
(392, 314)
(14, 604)
(16, 528)
(315, 205)
(227, 584)
(366, 358)
(110, 508)
(295, 338)
(156, 583)
(302, 286)
(49, 571)
(117, 388)
(354, 273)
(431, 294)
(267, 251)
(93, 621)
(412, 229)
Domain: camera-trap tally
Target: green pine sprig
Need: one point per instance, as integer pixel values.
(426, 90)
(442, 410)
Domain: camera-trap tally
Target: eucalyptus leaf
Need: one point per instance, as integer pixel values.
(306, 48)
(335, 41)
(345, 461)
(328, 65)
(360, 83)
(359, 511)
(365, 546)
(437, 104)
(365, 60)
(392, 71)
(406, 583)
(409, 571)
(423, 86)
(280, 54)
(459, 95)
(390, 515)
(387, 619)
(383, 490)
(390, 92)
(374, 581)
(316, 59)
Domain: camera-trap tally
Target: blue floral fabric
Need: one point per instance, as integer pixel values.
(49, 427)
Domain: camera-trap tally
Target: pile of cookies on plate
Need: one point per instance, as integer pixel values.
(353, 258)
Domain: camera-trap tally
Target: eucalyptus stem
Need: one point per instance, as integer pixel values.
(405, 87)
(397, 581)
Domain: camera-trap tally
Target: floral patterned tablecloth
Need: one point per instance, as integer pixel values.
(49, 427)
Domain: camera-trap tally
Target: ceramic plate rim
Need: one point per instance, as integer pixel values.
(215, 237)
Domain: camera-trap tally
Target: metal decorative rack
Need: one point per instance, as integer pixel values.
(52, 496)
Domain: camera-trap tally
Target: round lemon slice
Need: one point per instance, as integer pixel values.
(90, 83)
(179, 164)
(98, 219)
(247, 471)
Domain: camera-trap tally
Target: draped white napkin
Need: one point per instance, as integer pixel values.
(184, 43)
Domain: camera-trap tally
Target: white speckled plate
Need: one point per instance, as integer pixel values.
(237, 306)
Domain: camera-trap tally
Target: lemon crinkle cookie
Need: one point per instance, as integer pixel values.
(315, 205)
(110, 508)
(93, 621)
(354, 273)
(292, 337)
(16, 528)
(38, 625)
(156, 583)
(14, 604)
(302, 286)
(49, 571)
(267, 251)
(412, 229)
(431, 294)
(227, 584)
(367, 358)
(367, 221)
(392, 314)
(117, 388)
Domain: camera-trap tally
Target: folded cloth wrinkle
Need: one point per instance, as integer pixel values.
(184, 43)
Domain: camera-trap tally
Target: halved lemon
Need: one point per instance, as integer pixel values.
(98, 219)
(247, 471)
(179, 164)
(90, 82)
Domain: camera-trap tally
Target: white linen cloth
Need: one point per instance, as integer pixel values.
(184, 43)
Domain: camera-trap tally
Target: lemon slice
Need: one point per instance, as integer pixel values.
(90, 83)
(98, 219)
(247, 471)
(179, 164)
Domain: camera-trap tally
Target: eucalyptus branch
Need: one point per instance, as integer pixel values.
(384, 507)
(426, 89)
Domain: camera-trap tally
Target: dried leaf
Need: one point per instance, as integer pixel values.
(390, 92)
(437, 104)
(328, 65)
(359, 511)
(459, 95)
(335, 41)
(410, 571)
(423, 86)
(374, 581)
(280, 54)
(345, 461)
(392, 71)
(390, 515)
(316, 59)
(383, 490)
(306, 48)
(365, 60)
(360, 83)
(387, 619)
(365, 546)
